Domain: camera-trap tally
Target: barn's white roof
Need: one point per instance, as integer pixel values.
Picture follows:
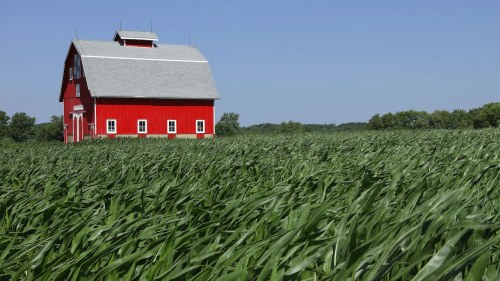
(165, 71)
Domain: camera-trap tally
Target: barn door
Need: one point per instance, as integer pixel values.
(77, 127)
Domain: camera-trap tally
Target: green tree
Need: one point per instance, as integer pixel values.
(375, 123)
(441, 119)
(21, 127)
(53, 131)
(412, 119)
(290, 127)
(388, 121)
(460, 119)
(4, 124)
(486, 116)
(228, 124)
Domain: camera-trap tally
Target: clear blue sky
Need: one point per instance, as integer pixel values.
(307, 61)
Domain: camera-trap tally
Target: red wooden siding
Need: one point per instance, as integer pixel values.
(156, 112)
(70, 100)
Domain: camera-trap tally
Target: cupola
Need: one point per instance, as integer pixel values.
(142, 39)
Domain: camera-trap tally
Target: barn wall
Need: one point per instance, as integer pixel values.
(70, 100)
(156, 112)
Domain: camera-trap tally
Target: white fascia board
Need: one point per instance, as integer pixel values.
(155, 97)
(132, 38)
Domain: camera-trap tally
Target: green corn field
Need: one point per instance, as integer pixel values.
(395, 205)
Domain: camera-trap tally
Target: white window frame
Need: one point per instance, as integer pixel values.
(175, 127)
(107, 126)
(77, 90)
(202, 131)
(70, 71)
(145, 126)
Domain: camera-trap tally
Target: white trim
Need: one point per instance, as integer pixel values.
(203, 131)
(137, 38)
(82, 136)
(168, 126)
(145, 126)
(155, 97)
(145, 59)
(91, 130)
(77, 128)
(107, 126)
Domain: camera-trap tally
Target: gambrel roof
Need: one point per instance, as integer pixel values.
(164, 71)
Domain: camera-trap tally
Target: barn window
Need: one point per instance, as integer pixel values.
(142, 126)
(77, 64)
(111, 126)
(75, 68)
(79, 70)
(200, 126)
(77, 90)
(172, 126)
(70, 71)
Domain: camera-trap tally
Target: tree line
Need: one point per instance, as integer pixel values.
(229, 125)
(292, 127)
(21, 127)
(482, 117)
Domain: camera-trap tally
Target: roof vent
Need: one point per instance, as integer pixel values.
(129, 38)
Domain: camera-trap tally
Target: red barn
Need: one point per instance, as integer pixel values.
(134, 87)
